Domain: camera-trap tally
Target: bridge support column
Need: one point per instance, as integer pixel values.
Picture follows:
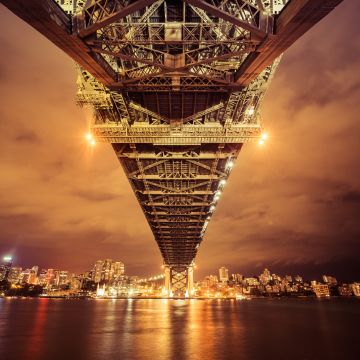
(179, 281)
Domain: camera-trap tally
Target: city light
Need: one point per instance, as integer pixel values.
(7, 258)
(222, 182)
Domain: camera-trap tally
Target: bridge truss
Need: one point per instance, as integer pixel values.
(176, 88)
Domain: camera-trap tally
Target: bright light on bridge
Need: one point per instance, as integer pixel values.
(90, 139)
(229, 164)
(263, 137)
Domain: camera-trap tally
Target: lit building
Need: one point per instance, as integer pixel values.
(223, 274)
(14, 274)
(321, 290)
(25, 276)
(330, 280)
(356, 289)
(265, 277)
(5, 267)
(42, 277)
(345, 290)
(63, 277)
(33, 275)
(237, 278)
(76, 282)
(251, 281)
(107, 270)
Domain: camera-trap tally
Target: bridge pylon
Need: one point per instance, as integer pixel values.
(179, 281)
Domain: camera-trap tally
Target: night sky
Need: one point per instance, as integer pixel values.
(292, 205)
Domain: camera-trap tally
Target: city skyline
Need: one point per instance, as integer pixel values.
(223, 272)
(107, 279)
(296, 199)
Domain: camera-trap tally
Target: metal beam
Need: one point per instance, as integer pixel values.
(297, 17)
(101, 13)
(216, 11)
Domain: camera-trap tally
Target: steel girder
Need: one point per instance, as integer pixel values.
(177, 191)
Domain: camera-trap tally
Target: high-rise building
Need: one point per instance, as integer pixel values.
(237, 278)
(5, 267)
(223, 274)
(42, 277)
(108, 270)
(63, 277)
(33, 275)
(14, 274)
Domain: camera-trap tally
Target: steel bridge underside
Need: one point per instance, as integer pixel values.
(177, 188)
(176, 88)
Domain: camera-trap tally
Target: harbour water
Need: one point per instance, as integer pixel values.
(179, 329)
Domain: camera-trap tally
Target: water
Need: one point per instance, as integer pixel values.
(179, 329)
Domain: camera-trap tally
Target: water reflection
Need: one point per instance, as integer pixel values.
(176, 329)
(36, 338)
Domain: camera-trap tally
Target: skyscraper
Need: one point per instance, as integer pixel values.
(14, 274)
(107, 270)
(224, 274)
(5, 267)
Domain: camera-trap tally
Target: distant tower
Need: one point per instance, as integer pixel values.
(224, 274)
(5, 267)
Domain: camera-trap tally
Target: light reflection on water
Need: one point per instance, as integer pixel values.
(178, 329)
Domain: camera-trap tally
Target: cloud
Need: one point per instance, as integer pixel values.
(27, 136)
(95, 196)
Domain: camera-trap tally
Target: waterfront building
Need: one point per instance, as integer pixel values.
(330, 280)
(14, 274)
(223, 274)
(356, 288)
(345, 290)
(265, 277)
(321, 290)
(5, 267)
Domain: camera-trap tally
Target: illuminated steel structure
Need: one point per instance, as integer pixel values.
(176, 88)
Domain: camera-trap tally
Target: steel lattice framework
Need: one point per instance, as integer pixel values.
(176, 88)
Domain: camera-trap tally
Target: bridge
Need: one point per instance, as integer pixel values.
(175, 87)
